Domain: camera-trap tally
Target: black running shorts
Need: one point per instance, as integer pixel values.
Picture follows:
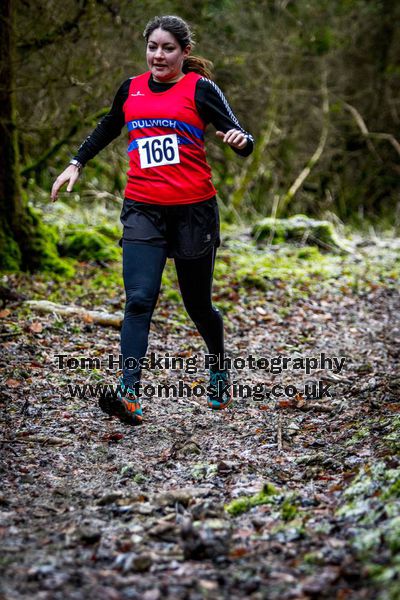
(184, 230)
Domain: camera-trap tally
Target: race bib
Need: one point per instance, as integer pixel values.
(158, 150)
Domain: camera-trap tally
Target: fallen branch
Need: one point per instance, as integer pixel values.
(88, 316)
(92, 316)
(41, 439)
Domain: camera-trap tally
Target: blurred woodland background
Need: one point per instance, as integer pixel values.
(315, 81)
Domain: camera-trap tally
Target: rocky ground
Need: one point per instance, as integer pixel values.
(276, 497)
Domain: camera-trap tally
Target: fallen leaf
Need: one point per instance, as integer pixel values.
(114, 436)
(36, 327)
(4, 313)
(34, 364)
(13, 383)
(286, 404)
(299, 398)
(238, 552)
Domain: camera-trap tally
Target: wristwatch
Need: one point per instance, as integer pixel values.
(76, 163)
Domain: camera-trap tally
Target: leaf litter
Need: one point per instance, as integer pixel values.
(277, 498)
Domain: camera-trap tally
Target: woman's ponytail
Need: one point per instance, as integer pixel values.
(199, 65)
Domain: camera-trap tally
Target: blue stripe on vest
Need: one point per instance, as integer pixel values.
(170, 123)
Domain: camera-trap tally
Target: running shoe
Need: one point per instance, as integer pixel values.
(122, 403)
(220, 390)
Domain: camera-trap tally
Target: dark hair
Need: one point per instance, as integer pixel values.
(184, 36)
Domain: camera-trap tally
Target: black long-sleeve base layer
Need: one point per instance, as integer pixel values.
(211, 104)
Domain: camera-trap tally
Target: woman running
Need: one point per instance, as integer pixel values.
(170, 207)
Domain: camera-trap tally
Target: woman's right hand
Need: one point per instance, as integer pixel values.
(70, 174)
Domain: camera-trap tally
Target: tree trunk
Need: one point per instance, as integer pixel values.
(10, 185)
(25, 243)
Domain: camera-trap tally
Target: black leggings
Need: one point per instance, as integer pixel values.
(143, 265)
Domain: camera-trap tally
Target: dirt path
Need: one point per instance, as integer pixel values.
(91, 508)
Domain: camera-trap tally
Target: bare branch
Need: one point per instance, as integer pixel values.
(41, 161)
(371, 134)
(53, 36)
(296, 185)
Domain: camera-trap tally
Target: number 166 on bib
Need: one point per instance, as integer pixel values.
(158, 150)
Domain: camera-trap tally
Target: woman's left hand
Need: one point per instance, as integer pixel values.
(233, 137)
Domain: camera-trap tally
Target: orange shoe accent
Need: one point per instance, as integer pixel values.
(131, 406)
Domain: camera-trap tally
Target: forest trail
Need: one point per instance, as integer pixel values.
(92, 508)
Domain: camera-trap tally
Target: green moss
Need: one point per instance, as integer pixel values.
(255, 281)
(263, 497)
(360, 434)
(309, 253)
(372, 511)
(314, 558)
(392, 438)
(33, 247)
(113, 233)
(109, 278)
(244, 504)
(299, 228)
(173, 295)
(288, 510)
(264, 269)
(10, 254)
(286, 532)
(139, 478)
(42, 248)
(387, 577)
(239, 506)
(393, 491)
(88, 244)
(393, 535)
(367, 542)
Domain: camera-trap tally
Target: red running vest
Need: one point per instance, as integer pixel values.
(166, 144)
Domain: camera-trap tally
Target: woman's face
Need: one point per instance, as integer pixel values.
(165, 56)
